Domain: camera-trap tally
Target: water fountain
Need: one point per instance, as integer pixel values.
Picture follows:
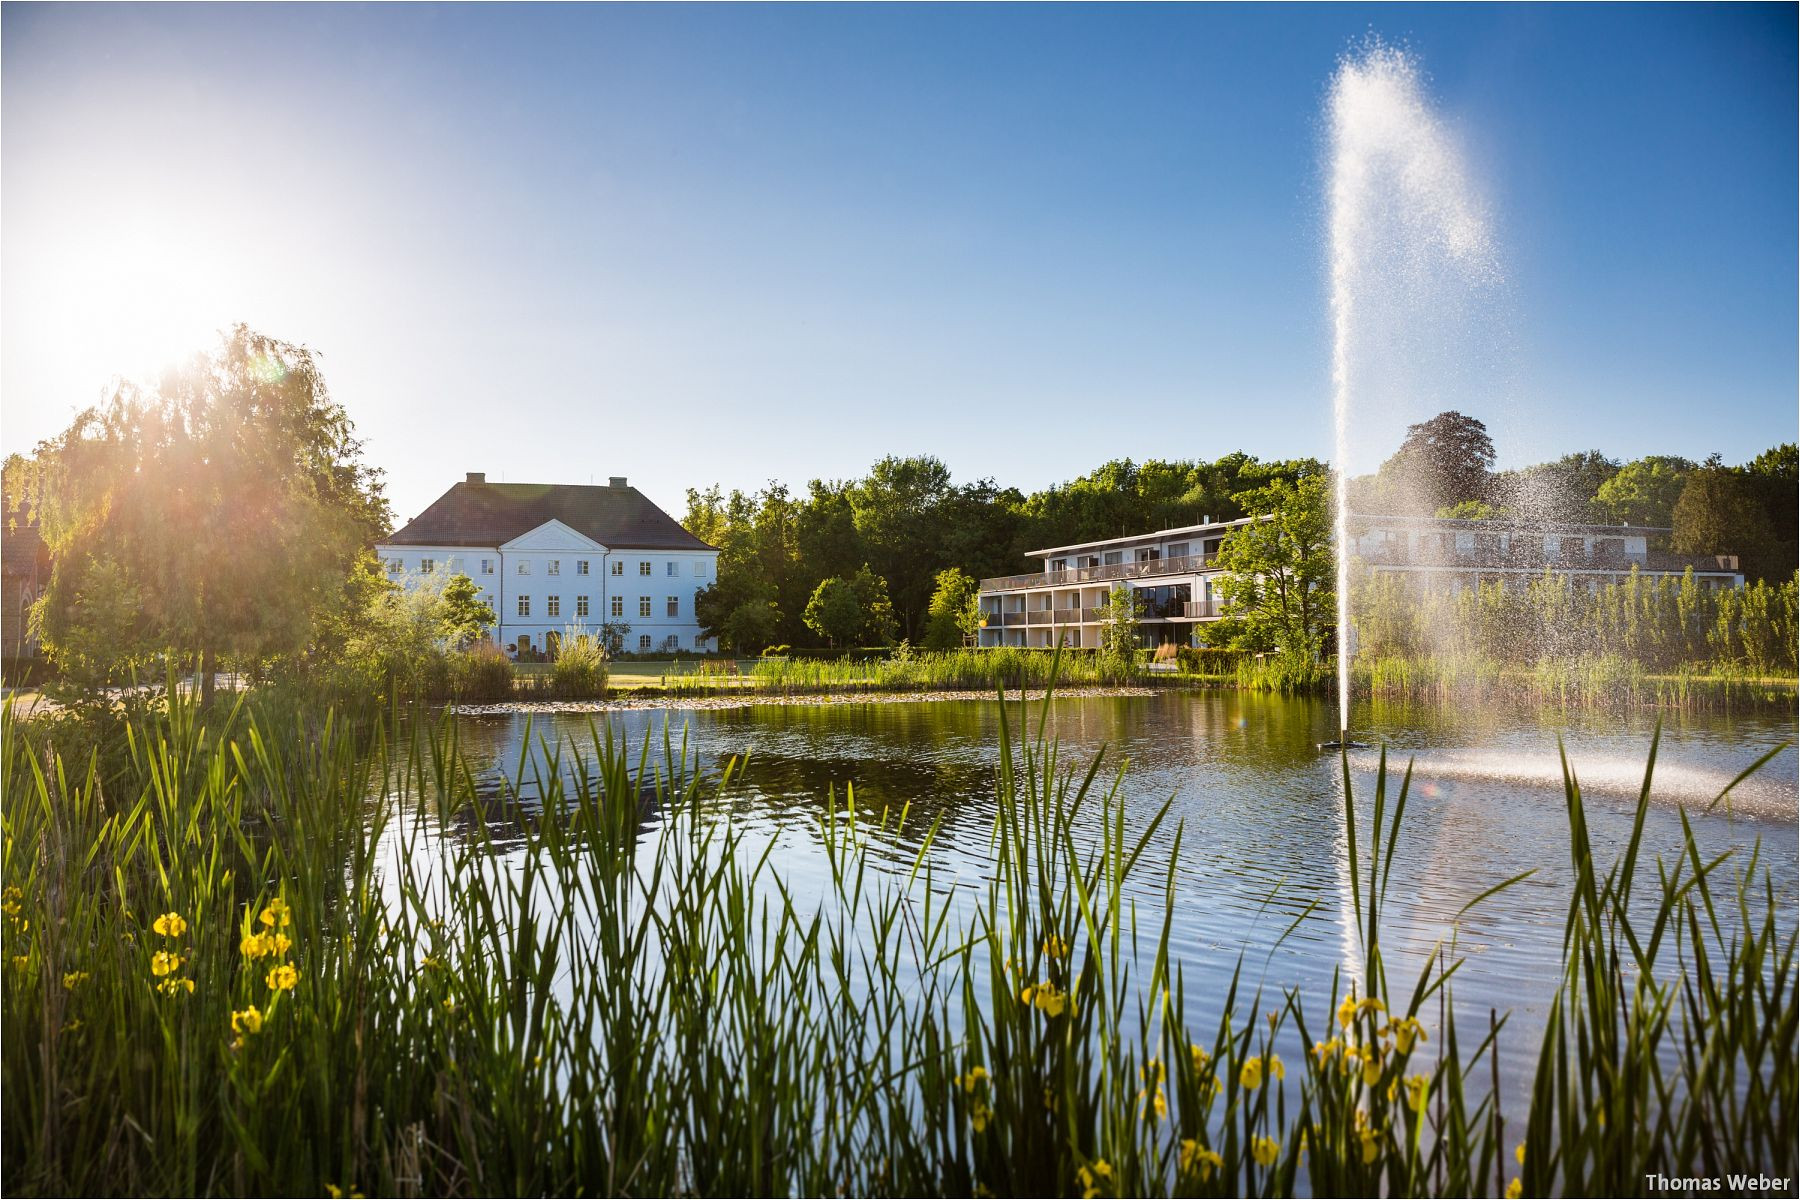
(1408, 245)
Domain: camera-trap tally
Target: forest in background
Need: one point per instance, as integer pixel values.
(907, 521)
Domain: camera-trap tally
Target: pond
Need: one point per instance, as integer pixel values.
(1260, 868)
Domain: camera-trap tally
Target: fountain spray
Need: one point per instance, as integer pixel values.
(1405, 235)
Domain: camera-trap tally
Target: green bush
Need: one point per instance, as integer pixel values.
(579, 672)
(482, 675)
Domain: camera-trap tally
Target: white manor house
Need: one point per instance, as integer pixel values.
(1175, 574)
(551, 557)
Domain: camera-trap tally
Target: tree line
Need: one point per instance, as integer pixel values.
(225, 516)
(918, 541)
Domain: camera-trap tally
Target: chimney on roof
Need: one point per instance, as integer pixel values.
(617, 481)
(477, 476)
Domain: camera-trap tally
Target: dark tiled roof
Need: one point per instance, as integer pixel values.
(489, 514)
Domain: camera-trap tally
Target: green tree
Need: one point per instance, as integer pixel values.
(1563, 490)
(1443, 462)
(1119, 626)
(611, 635)
(833, 612)
(1644, 491)
(1772, 478)
(739, 610)
(1279, 571)
(464, 615)
(871, 591)
(233, 495)
(949, 625)
(1717, 514)
(900, 514)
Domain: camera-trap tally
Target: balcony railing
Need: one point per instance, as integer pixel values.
(1202, 608)
(1532, 558)
(1131, 570)
(1039, 616)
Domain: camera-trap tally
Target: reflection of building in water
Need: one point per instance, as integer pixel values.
(1172, 571)
(550, 557)
(1445, 554)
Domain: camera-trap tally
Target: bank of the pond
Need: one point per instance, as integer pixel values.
(677, 701)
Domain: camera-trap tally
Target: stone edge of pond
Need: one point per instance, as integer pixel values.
(633, 703)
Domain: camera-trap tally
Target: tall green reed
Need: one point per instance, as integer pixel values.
(597, 976)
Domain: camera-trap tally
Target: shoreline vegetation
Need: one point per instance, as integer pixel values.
(266, 949)
(1596, 681)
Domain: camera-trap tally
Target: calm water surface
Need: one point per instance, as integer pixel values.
(1260, 814)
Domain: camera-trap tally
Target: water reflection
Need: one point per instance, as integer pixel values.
(1259, 872)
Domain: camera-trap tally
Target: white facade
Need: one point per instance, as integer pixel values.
(1445, 554)
(554, 579)
(1172, 571)
(1175, 574)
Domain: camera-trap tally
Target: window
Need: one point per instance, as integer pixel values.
(555, 567)
(643, 567)
(1114, 557)
(674, 569)
(581, 566)
(619, 567)
(581, 606)
(487, 566)
(618, 606)
(395, 566)
(643, 606)
(643, 641)
(427, 566)
(553, 607)
(524, 606)
(524, 567)
(674, 606)
(699, 569)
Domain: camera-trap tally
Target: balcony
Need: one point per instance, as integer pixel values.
(1531, 557)
(1039, 616)
(1131, 570)
(1203, 609)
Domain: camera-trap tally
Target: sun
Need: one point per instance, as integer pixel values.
(103, 294)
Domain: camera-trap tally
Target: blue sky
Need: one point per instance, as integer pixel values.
(691, 245)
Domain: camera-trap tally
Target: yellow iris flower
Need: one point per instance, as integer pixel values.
(1195, 1157)
(276, 912)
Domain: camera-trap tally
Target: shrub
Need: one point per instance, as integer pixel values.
(579, 672)
(480, 675)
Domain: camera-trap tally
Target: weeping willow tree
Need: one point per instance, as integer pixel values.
(217, 515)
